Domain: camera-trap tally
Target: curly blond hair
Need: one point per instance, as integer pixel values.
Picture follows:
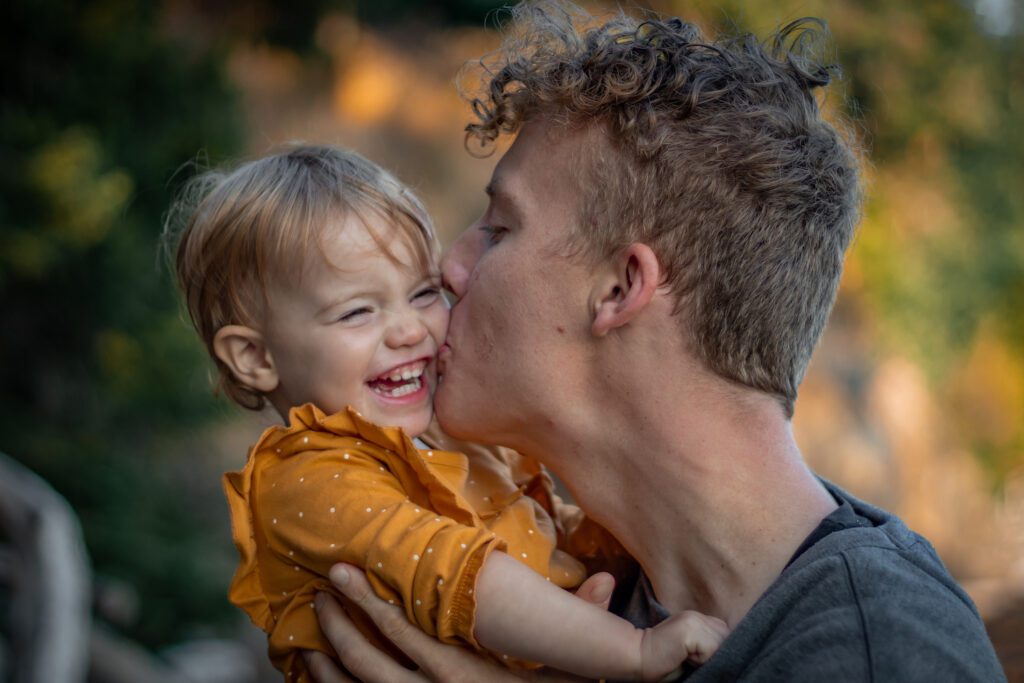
(716, 156)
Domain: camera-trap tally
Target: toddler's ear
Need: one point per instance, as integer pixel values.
(243, 350)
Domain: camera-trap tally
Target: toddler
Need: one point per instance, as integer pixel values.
(311, 277)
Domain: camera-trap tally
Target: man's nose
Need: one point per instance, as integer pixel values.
(460, 259)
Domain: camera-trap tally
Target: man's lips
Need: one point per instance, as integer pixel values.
(444, 355)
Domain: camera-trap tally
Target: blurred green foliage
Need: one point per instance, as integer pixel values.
(100, 109)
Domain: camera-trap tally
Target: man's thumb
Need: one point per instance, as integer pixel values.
(597, 589)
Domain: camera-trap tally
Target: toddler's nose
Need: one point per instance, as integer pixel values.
(407, 329)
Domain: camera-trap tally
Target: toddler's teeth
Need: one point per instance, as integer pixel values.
(408, 388)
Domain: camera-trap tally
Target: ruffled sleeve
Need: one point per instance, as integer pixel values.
(245, 591)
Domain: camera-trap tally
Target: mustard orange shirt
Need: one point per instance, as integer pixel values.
(337, 488)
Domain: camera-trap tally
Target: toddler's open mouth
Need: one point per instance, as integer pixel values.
(400, 380)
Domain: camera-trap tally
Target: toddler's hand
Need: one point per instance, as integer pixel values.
(685, 636)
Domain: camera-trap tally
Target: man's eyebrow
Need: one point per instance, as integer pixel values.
(498, 191)
(503, 201)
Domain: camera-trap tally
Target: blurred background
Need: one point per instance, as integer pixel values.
(914, 401)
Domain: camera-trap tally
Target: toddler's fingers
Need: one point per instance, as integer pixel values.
(719, 626)
(687, 636)
(704, 634)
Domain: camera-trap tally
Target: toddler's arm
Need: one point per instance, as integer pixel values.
(521, 614)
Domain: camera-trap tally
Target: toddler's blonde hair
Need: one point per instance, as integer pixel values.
(262, 223)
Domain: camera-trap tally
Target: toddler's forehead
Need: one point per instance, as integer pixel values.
(351, 244)
(348, 240)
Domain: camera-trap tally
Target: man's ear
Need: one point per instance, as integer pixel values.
(245, 353)
(626, 289)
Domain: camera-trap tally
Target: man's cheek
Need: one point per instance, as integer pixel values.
(440, 322)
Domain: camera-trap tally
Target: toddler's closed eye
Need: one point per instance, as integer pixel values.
(353, 315)
(427, 295)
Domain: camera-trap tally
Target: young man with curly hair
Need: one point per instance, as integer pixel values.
(637, 308)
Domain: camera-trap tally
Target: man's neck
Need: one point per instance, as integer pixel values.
(711, 496)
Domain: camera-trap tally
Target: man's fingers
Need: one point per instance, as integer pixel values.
(360, 658)
(437, 661)
(597, 589)
(324, 669)
(421, 648)
(389, 619)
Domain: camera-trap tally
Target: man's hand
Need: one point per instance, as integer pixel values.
(437, 661)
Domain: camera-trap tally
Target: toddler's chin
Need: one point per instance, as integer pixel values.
(414, 425)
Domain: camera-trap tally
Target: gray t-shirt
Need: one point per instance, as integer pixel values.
(869, 600)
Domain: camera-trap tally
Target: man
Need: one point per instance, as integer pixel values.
(637, 308)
